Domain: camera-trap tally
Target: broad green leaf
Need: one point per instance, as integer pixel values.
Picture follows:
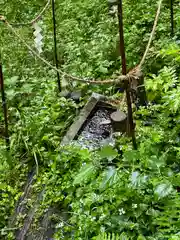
(3, 186)
(134, 177)
(27, 88)
(10, 93)
(141, 238)
(12, 81)
(103, 70)
(131, 155)
(85, 172)
(123, 236)
(110, 177)
(45, 138)
(163, 190)
(108, 152)
(174, 238)
(138, 179)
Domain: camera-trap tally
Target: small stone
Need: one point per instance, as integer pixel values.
(76, 95)
(105, 122)
(65, 93)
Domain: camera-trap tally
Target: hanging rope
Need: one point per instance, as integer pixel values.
(117, 81)
(133, 74)
(85, 80)
(152, 34)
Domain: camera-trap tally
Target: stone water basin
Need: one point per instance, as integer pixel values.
(95, 125)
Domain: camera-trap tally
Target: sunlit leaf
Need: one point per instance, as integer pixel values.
(141, 238)
(110, 177)
(131, 155)
(163, 190)
(108, 152)
(85, 172)
(138, 180)
(123, 236)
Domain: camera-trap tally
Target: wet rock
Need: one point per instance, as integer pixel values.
(75, 95)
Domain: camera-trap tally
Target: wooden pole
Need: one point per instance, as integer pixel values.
(130, 123)
(4, 107)
(172, 17)
(55, 43)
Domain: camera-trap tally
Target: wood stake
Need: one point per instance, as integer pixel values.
(4, 107)
(55, 44)
(130, 123)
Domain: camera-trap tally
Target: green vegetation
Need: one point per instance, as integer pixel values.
(105, 194)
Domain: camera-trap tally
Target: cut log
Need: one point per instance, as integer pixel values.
(119, 121)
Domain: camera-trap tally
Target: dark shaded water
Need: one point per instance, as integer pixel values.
(97, 130)
(45, 227)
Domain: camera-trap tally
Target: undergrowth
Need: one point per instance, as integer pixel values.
(115, 192)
